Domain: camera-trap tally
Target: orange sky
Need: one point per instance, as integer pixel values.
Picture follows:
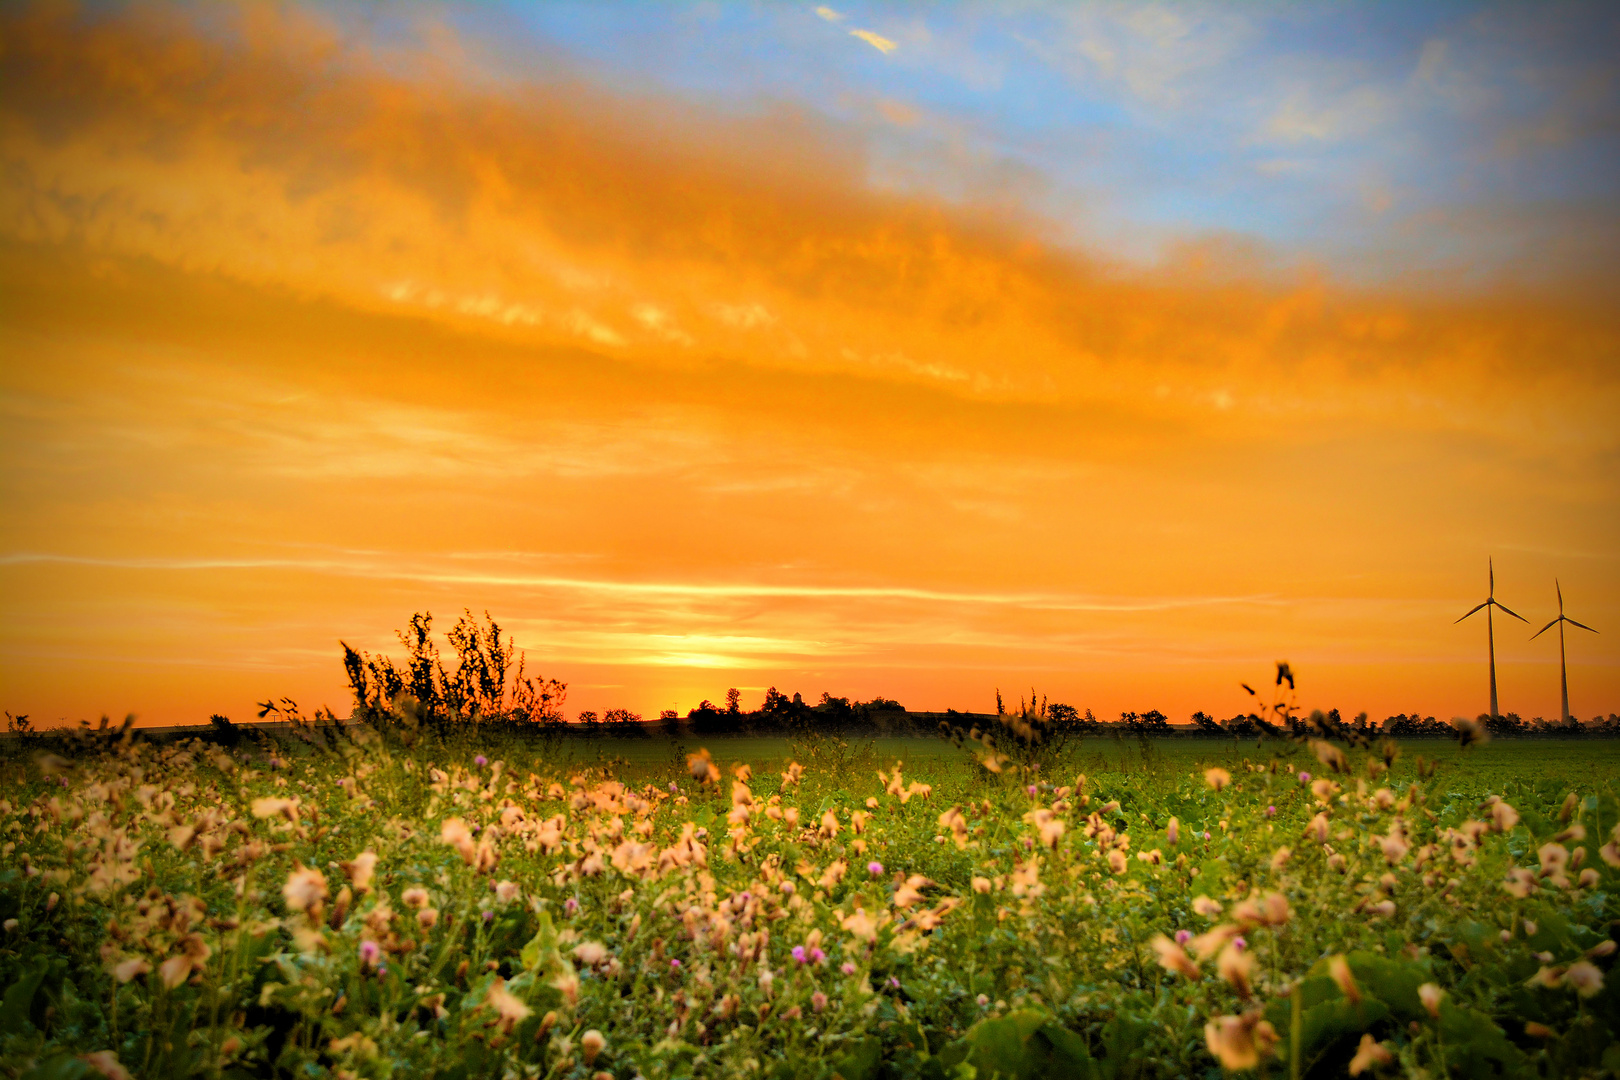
(307, 330)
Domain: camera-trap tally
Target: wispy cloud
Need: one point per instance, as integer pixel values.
(877, 41)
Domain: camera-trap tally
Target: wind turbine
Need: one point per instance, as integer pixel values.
(1490, 630)
(1563, 671)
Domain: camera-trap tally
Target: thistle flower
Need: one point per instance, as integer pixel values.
(1172, 832)
(480, 761)
(1217, 778)
(1584, 977)
(1304, 778)
(1369, 1054)
(1173, 958)
(1431, 994)
(1339, 972)
(1235, 965)
(874, 868)
(1207, 907)
(1239, 1042)
(414, 898)
(509, 1008)
(126, 970)
(305, 889)
(818, 1000)
(106, 1064)
(591, 1044)
(361, 869)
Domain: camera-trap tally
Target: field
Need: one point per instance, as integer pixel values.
(481, 905)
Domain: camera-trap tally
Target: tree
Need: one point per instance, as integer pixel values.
(488, 682)
(733, 701)
(589, 717)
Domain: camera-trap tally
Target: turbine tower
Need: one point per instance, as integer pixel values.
(1490, 630)
(1563, 670)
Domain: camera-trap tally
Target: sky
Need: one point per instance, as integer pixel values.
(1111, 352)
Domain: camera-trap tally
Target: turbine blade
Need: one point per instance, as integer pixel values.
(1510, 611)
(1491, 563)
(1560, 589)
(1582, 625)
(1546, 628)
(1486, 604)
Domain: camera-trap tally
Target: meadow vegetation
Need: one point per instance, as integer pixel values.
(393, 898)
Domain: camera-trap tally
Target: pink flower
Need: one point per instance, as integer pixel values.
(674, 965)
(798, 953)
(1304, 778)
(369, 952)
(817, 955)
(1239, 944)
(847, 968)
(874, 868)
(480, 761)
(571, 906)
(1271, 811)
(1183, 936)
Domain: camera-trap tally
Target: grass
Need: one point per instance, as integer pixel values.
(478, 905)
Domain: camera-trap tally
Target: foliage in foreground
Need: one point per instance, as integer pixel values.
(381, 911)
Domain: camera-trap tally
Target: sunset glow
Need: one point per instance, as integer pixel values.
(1113, 351)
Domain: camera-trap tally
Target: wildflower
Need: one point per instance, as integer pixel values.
(1304, 778)
(799, 954)
(1317, 830)
(361, 869)
(590, 953)
(847, 968)
(1520, 882)
(305, 889)
(129, 969)
(509, 1008)
(817, 956)
(480, 761)
(1584, 977)
(1172, 832)
(1173, 958)
(1430, 994)
(1339, 972)
(507, 891)
(1503, 817)
(270, 806)
(369, 952)
(818, 1000)
(427, 918)
(1217, 778)
(1271, 811)
(1183, 936)
(1206, 906)
(1280, 857)
(875, 869)
(981, 884)
(414, 898)
(860, 925)
(702, 767)
(1235, 965)
(175, 970)
(1369, 1054)
(1239, 1042)
(591, 1043)
(105, 1062)
(454, 832)
(674, 965)
(1546, 978)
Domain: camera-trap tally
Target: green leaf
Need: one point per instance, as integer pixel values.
(861, 1061)
(19, 999)
(1475, 1046)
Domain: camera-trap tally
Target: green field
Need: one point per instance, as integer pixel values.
(368, 908)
